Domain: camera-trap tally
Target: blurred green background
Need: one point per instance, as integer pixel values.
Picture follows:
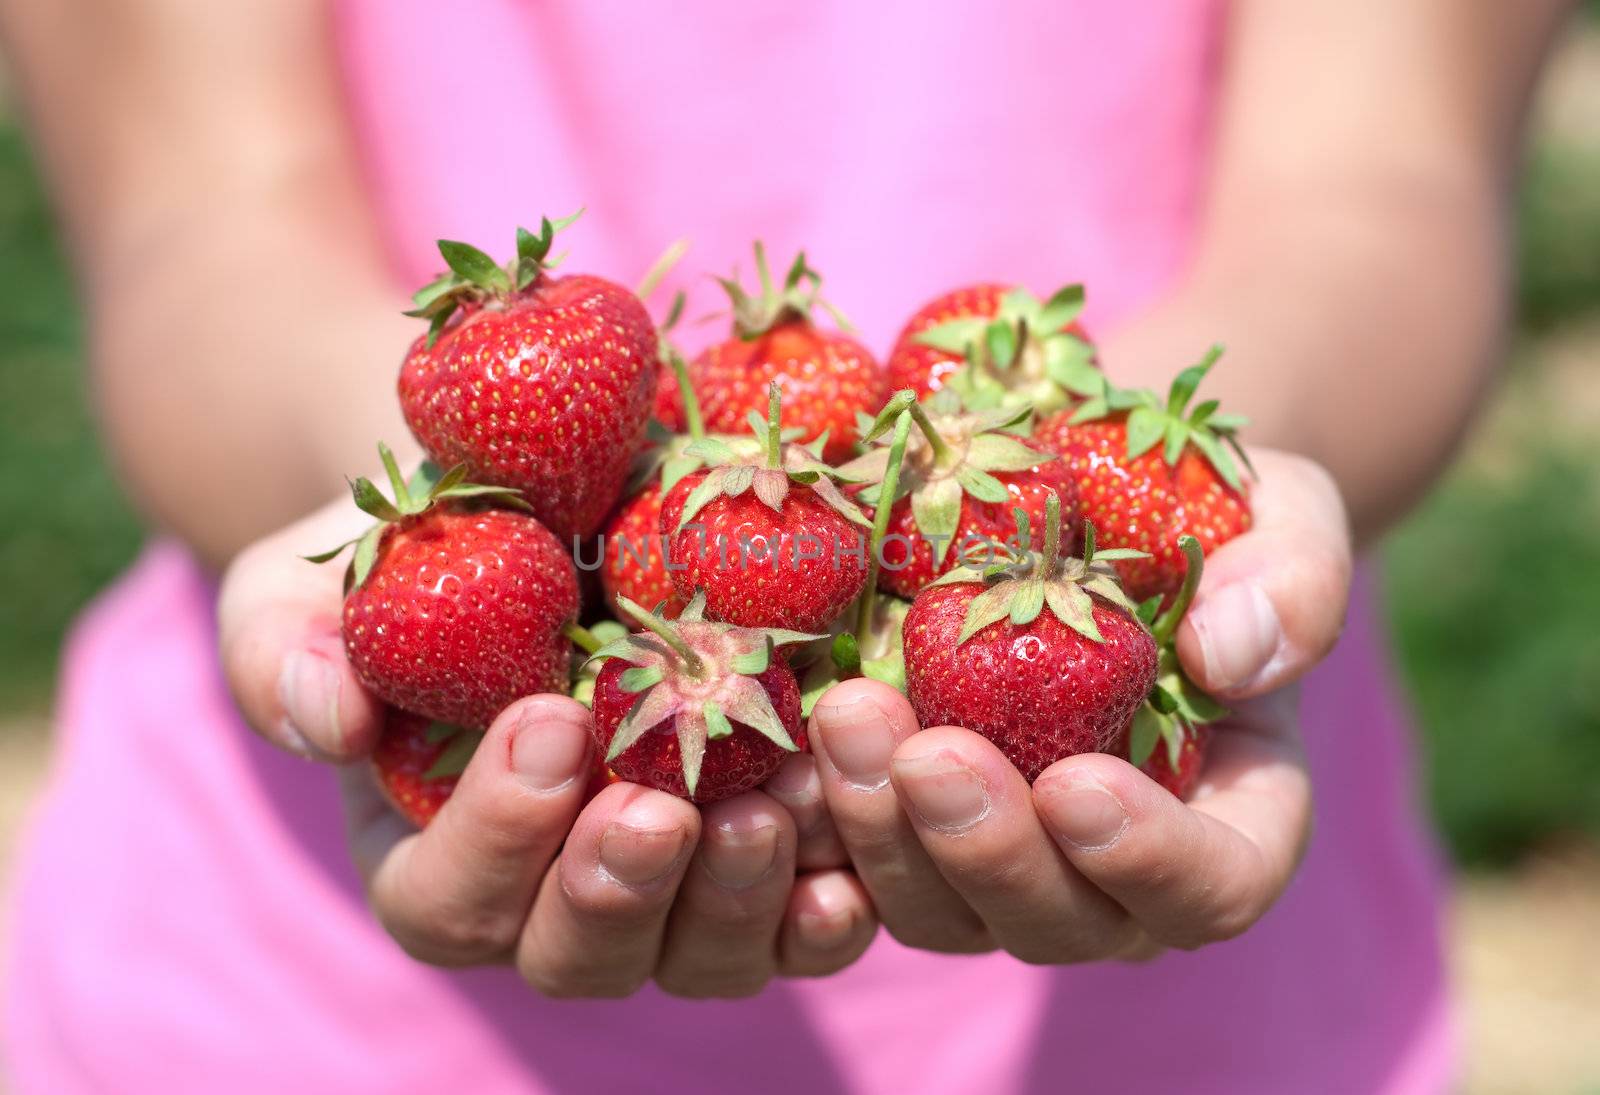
(1494, 585)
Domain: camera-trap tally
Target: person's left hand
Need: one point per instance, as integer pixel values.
(1096, 860)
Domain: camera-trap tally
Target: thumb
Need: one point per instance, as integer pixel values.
(278, 627)
(1272, 601)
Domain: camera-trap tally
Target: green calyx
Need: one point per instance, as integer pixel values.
(766, 463)
(1028, 582)
(474, 277)
(1023, 354)
(798, 298)
(1175, 705)
(1170, 423)
(426, 489)
(950, 454)
(459, 745)
(873, 650)
(700, 674)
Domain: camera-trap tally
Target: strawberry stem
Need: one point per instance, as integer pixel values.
(943, 455)
(692, 418)
(1052, 534)
(658, 271)
(887, 490)
(774, 430)
(581, 637)
(664, 631)
(1166, 624)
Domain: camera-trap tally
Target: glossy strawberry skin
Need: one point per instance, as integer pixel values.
(1144, 503)
(635, 564)
(1191, 759)
(400, 761)
(1040, 692)
(923, 368)
(826, 377)
(462, 614)
(733, 765)
(772, 589)
(905, 571)
(548, 393)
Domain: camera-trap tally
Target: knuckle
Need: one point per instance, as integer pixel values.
(724, 984)
(564, 978)
(959, 938)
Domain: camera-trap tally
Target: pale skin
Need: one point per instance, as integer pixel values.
(1351, 255)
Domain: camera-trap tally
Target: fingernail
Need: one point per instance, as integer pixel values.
(637, 855)
(944, 793)
(1083, 813)
(550, 749)
(737, 859)
(308, 688)
(857, 740)
(1239, 634)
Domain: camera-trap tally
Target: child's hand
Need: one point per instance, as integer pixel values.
(1096, 860)
(584, 900)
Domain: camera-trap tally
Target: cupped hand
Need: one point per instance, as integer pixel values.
(583, 899)
(1096, 860)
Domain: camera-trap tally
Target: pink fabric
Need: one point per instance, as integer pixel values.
(186, 916)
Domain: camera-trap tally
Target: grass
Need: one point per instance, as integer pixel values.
(1494, 593)
(68, 529)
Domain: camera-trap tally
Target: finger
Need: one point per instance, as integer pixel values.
(828, 925)
(975, 816)
(1272, 601)
(855, 729)
(598, 921)
(459, 891)
(723, 932)
(797, 787)
(1190, 873)
(278, 630)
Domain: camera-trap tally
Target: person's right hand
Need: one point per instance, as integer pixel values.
(584, 900)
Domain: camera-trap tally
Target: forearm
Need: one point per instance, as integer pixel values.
(1352, 245)
(1361, 327)
(239, 308)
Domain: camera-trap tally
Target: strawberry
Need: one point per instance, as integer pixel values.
(635, 562)
(827, 377)
(453, 611)
(765, 533)
(538, 383)
(698, 709)
(418, 761)
(962, 482)
(1167, 736)
(1150, 471)
(1045, 657)
(1179, 773)
(1013, 343)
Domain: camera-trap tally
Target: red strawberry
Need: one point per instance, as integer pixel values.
(539, 383)
(698, 709)
(1015, 343)
(635, 563)
(827, 377)
(963, 479)
(1045, 658)
(1149, 471)
(455, 611)
(418, 762)
(766, 534)
(1179, 774)
(1168, 735)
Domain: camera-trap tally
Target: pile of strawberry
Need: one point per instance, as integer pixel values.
(983, 521)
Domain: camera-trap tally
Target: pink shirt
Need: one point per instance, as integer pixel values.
(186, 916)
